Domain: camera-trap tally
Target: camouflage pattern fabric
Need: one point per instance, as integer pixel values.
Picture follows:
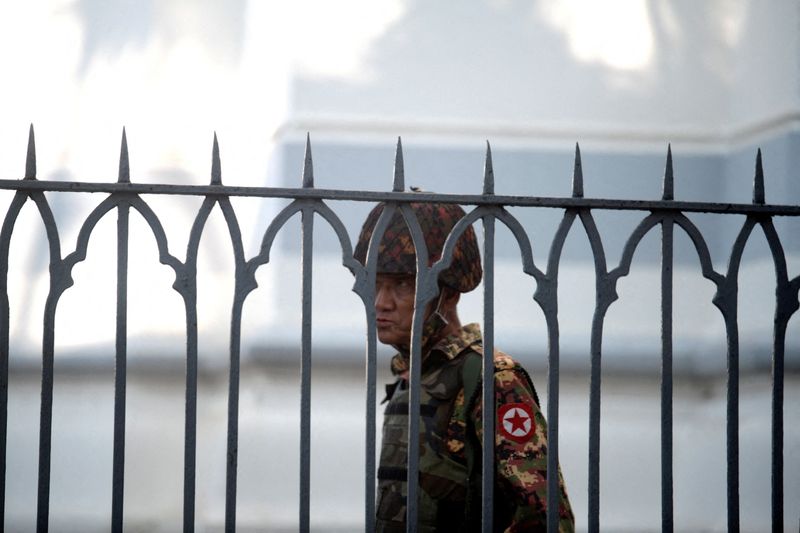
(521, 465)
(396, 254)
(520, 461)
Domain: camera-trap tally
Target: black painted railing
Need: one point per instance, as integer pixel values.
(665, 215)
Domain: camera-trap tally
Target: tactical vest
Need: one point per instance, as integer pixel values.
(443, 477)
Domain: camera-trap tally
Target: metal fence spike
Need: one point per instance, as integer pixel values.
(216, 167)
(124, 175)
(669, 180)
(30, 160)
(399, 172)
(488, 171)
(758, 182)
(577, 174)
(308, 166)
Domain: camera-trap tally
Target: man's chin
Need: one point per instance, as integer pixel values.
(392, 340)
(387, 340)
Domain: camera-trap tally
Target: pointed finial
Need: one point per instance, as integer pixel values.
(758, 182)
(669, 180)
(488, 171)
(124, 175)
(308, 167)
(30, 160)
(216, 167)
(399, 173)
(577, 174)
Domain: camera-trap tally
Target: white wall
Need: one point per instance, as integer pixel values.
(627, 70)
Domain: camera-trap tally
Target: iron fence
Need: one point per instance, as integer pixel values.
(310, 202)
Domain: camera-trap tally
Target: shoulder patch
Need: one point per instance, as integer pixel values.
(516, 422)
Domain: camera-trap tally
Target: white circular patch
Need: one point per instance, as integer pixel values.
(517, 422)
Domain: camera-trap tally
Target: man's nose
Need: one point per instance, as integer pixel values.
(383, 298)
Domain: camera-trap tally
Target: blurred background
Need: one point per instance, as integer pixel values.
(624, 78)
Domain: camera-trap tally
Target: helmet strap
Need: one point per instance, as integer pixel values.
(431, 334)
(437, 311)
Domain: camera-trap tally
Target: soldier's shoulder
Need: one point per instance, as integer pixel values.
(511, 379)
(503, 361)
(508, 372)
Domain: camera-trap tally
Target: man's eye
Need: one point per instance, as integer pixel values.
(405, 286)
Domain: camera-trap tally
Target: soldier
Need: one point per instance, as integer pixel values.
(450, 423)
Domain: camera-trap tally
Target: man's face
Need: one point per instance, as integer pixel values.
(394, 308)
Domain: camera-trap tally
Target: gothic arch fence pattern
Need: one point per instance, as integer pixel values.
(664, 215)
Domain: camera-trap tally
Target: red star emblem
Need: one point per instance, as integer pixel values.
(516, 421)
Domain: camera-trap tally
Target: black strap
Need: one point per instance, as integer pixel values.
(471, 375)
(393, 473)
(425, 410)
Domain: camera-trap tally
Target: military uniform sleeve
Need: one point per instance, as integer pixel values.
(521, 452)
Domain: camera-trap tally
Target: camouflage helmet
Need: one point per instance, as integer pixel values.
(396, 252)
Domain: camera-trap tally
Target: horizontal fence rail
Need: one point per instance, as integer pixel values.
(665, 215)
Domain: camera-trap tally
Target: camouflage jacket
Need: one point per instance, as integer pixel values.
(520, 432)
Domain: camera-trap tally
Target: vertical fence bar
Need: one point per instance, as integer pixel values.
(667, 240)
(732, 428)
(45, 425)
(594, 426)
(233, 422)
(190, 422)
(186, 285)
(595, 348)
(46, 407)
(727, 300)
(552, 428)
(489, 409)
(371, 378)
(307, 242)
(777, 427)
(120, 374)
(235, 345)
(368, 295)
(415, 356)
(414, 378)
(307, 221)
(547, 296)
(603, 299)
(421, 300)
(552, 425)
(5, 309)
(666, 374)
(120, 368)
(188, 289)
(786, 305)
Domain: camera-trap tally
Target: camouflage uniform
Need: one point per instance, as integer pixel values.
(520, 463)
(450, 424)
